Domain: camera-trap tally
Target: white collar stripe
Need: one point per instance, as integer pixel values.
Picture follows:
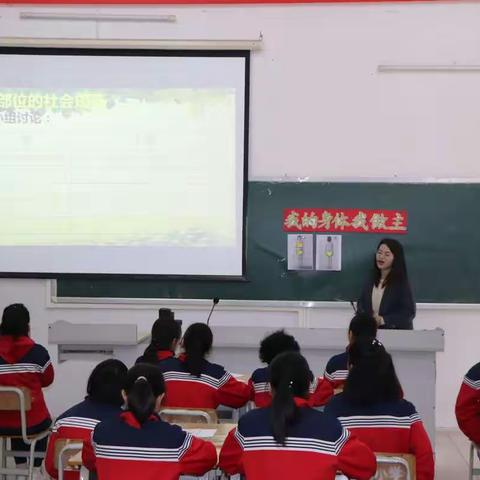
(293, 443)
(186, 377)
(475, 384)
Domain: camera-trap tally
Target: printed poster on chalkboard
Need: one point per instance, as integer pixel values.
(329, 253)
(300, 252)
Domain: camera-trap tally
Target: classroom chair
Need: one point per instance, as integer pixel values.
(188, 415)
(65, 448)
(472, 470)
(395, 466)
(18, 400)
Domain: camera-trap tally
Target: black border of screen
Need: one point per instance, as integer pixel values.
(142, 52)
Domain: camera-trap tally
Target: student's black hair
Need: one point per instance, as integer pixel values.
(164, 332)
(197, 342)
(398, 273)
(363, 325)
(106, 382)
(15, 321)
(276, 343)
(290, 376)
(372, 377)
(144, 383)
(166, 314)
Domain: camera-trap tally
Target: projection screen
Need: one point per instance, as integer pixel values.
(122, 161)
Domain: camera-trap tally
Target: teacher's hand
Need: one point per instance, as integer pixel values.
(380, 321)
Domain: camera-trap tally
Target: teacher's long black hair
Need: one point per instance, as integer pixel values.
(398, 273)
(290, 377)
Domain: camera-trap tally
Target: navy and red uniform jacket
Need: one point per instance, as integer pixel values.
(260, 393)
(467, 408)
(161, 355)
(122, 449)
(336, 371)
(316, 448)
(23, 363)
(77, 423)
(391, 427)
(214, 387)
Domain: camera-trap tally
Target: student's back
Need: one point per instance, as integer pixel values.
(467, 407)
(23, 363)
(138, 444)
(372, 408)
(104, 401)
(194, 382)
(272, 345)
(389, 427)
(290, 439)
(213, 386)
(156, 450)
(317, 447)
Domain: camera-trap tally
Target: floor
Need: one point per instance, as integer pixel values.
(451, 459)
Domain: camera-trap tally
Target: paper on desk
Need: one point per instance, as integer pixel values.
(201, 432)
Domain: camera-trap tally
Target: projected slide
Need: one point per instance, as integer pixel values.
(98, 177)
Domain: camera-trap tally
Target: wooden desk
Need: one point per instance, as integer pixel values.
(218, 438)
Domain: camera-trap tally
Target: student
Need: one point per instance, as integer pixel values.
(272, 345)
(336, 371)
(387, 295)
(138, 444)
(467, 408)
(372, 408)
(103, 400)
(166, 333)
(194, 382)
(24, 363)
(290, 439)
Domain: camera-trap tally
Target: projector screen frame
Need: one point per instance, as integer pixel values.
(149, 52)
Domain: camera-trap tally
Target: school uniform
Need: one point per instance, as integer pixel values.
(336, 371)
(389, 427)
(467, 408)
(260, 392)
(215, 386)
(161, 355)
(23, 363)
(316, 448)
(77, 423)
(122, 449)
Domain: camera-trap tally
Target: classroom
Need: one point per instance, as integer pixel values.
(251, 166)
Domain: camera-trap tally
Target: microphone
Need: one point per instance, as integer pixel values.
(215, 301)
(353, 307)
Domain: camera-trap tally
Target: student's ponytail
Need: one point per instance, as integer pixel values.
(197, 342)
(143, 386)
(290, 377)
(164, 332)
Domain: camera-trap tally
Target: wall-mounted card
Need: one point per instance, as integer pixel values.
(300, 252)
(329, 253)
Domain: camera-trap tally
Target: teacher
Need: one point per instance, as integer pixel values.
(387, 295)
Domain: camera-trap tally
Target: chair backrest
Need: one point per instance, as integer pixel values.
(188, 415)
(10, 398)
(393, 466)
(64, 449)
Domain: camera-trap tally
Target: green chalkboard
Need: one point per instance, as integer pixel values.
(442, 247)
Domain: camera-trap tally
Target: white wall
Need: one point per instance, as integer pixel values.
(319, 109)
